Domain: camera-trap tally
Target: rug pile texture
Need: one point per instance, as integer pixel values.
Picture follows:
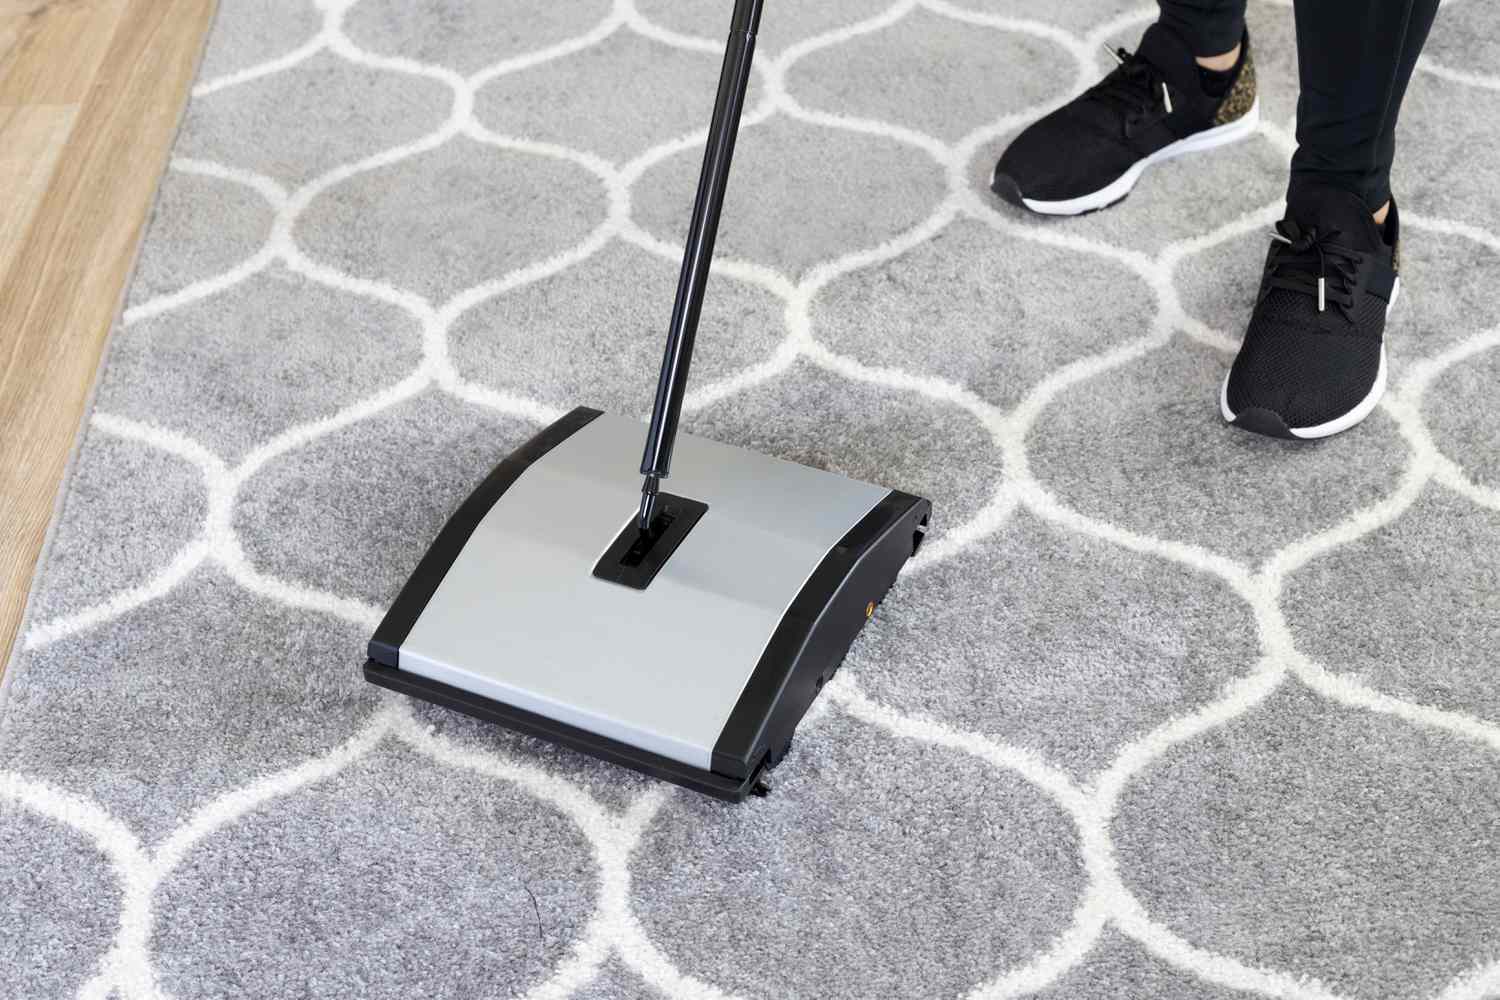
(1162, 710)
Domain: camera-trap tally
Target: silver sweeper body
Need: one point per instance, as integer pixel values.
(684, 635)
(699, 677)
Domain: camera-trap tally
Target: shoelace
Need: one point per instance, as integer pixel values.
(1290, 265)
(1132, 87)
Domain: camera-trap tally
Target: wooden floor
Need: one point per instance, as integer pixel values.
(90, 95)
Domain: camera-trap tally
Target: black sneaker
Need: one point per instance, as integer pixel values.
(1157, 104)
(1313, 360)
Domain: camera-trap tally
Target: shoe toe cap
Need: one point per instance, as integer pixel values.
(1262, 421)
(1004, 185)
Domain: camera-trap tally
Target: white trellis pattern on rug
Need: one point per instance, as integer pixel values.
(614, 929)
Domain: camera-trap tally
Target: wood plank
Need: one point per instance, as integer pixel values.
(59, 52)
(31, 143)
(17, 19)
(127, 66)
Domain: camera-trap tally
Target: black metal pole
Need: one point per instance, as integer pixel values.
(734, 78)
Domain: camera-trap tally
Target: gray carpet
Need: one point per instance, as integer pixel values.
(1163, 710)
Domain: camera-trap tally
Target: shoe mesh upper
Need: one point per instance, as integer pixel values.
(1290, 365)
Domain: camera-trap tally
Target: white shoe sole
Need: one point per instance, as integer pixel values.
(1329, 428)
(1219, 135)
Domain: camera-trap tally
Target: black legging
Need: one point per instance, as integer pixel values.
(1354, 59)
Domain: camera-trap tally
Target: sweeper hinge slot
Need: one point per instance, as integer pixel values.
(636, 555)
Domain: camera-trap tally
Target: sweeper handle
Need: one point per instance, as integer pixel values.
(734, 77)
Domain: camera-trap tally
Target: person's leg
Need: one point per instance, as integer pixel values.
(1313, 360)
(1210, 27)
(1355, 58)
